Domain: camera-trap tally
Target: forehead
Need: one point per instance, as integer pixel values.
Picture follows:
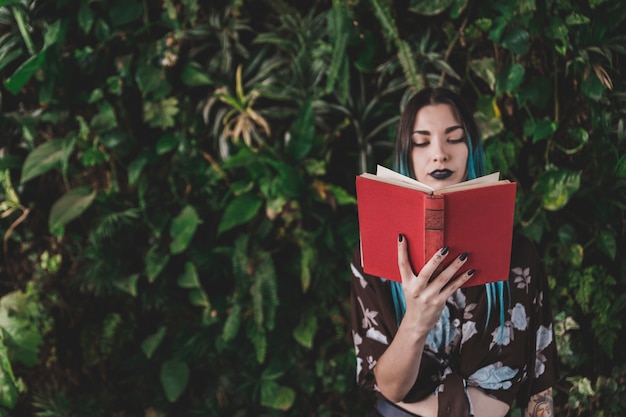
(436, 115)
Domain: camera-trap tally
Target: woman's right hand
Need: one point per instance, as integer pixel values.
(425, 294)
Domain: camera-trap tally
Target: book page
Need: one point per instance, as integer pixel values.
(393, 177)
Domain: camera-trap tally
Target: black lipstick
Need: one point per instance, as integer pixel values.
(441, 174)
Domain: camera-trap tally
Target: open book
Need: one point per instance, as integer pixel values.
(474, 216)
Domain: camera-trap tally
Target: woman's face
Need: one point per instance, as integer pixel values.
(438, 147)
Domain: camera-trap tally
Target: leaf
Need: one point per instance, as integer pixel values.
(182, 229)
(232, 323)
(166, 143)
(161, 114)
(152, 342)
(276, 396)
(85, 17)
(620, 167)
(307, 258)
(509, 79)
(429, 7)
(105, 119)
(543, 129)
(128, 284)
(194, 75)
(174, 378)
(239, 211)
(8, 382)
(535, 92)
(189, 278)
(70, 206)
(43, 158)
(557, 187)
(516, 41)
(136, 167)
(304, 333)
(24, 72)
(486, 70)
(155, 261)
(302, 132)
(199, 298)
(607, 243)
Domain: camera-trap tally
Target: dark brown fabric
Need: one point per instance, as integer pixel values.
(452, 400)
(519, 354)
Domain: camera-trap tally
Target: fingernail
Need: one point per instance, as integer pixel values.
(471, 272)
(400, 237)
(463, 256)
(444, 250)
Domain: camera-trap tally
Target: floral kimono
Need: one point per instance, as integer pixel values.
(509, 357)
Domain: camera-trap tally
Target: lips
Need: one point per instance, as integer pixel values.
(441, 174)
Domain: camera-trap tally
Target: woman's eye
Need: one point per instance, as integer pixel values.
(460, 140)
(419, 144)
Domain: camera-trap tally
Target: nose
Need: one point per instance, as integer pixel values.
(439, 153)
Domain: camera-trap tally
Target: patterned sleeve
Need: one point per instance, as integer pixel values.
(511, 355)
(373, 321)
(543, 360)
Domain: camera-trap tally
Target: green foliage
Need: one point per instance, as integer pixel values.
(177, 178)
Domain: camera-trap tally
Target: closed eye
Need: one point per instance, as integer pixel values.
(460, 140)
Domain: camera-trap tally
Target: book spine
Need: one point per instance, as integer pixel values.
(434, 206)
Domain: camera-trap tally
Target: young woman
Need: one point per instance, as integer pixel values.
(427, 347)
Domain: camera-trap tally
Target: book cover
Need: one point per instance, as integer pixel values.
(474, 216)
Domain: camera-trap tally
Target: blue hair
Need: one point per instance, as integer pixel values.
(494, 290)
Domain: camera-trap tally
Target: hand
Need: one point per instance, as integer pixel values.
(424, 294)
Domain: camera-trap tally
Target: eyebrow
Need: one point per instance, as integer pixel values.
(448, 130)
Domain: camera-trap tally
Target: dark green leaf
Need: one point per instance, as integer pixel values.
(155, 261)
(276, 396)
(516, 41)
(152, 342)
(46, 156)
(174, 378)
(105, 119)
(128, 284)
(302, 132)
(183, 228)
(429, 7)
(25, 71)
(85, 16)
(189, 278)
(304, 333)
(194, 75)
(509, 79)
(620, 167)
(198, 297)
(232, 323)
(607, 243)
(557, 186)
(70, 206)
(166, 143)
(123, 12)
(239, 211)
(8, 382)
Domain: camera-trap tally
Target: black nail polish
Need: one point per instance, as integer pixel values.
(463, 256)
(444, 250)
(400, 237)
(471, 272)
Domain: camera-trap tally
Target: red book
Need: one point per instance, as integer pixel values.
(475, 216)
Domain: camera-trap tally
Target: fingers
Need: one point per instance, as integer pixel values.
(426, 277)
(446, 279)
(404, 265)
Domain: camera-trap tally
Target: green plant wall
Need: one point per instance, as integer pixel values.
(177, 190)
